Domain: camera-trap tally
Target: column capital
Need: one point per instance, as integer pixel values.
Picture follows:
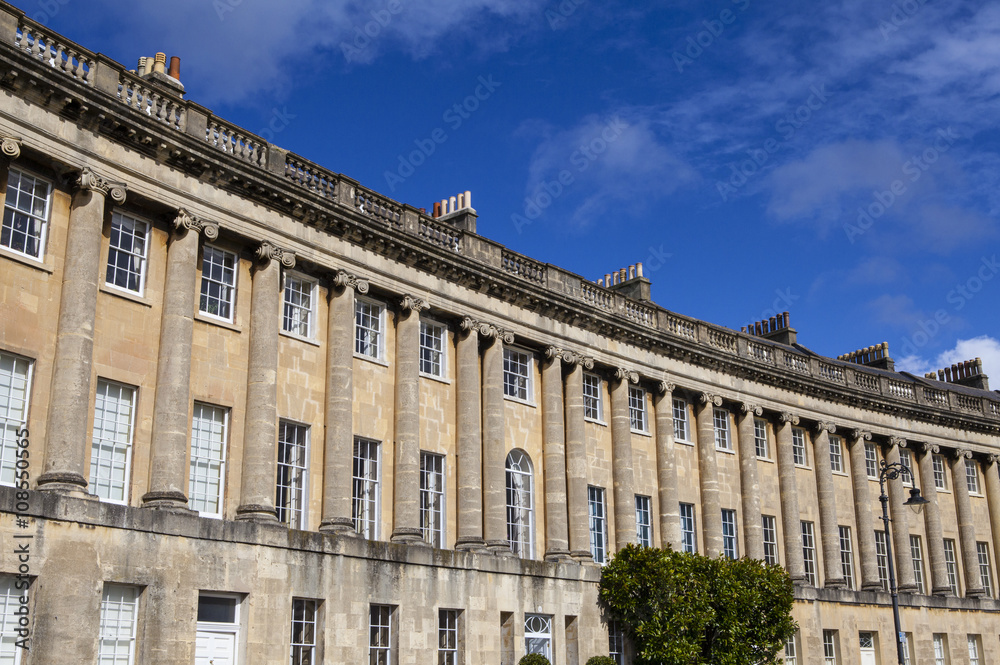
(569, 357)
(960, 453)
(413, 304)
(925, 447)
(266, 252)
(821, 427)
(10, 146)
(861, 435)
(665, 387)
(748, 409)
(895, 441)
(710, 399)
(786, 418)
(86, 180)
(187, 221)
(992, 458)
(344, 280)
(627, 375)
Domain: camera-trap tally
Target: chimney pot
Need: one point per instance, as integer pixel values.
(461, 201)
(175, 68)
(451, 204)
(638, 269)
(631, 272)
(607, 279)
(468, 199)
(159, 62)
(437, 210)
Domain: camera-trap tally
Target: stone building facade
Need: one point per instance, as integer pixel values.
(254, 412)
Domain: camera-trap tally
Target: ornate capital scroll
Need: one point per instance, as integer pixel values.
(751, 409)
(187, 221)
(413, 304)
(344, 280)
(569, 357)
(10, 146)
(268, 252)
(897, 441)
(86, 179)
(959, 453)
(992, 458)
(487, 330)
(665, 387)
(627, 375)
(821, 427)
(709, 398)
(861, 435)
(786, 418)
(931, 448)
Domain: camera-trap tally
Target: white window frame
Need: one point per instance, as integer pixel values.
(906, 459)
(518, 373)
(291, 498)
(111, 441)
(975, 651)
(299, 305)
(131, 256)
(846, 555)
(433, 353)
(682, 421)
(119, 618)
(689, 529)
(638, 415)
(769, 536)
(940, 476)
(809, 551)
(380, 634)
(730, 546)
(538, 634)
(985, 572)
(871, 460)
(951, 566)
(16, 373)
(222, 288)
(761, 447)
(206, 459)
(907, 639)
(366, 493)
(520, 493)
(644, 520)
(940, 649)
(791, 649)
(799, 450)
(369, 323)
(598, 510)
(593, 401)
(972, 476)
(616, 642)
(830, 647)
(917, 558)
(720, 422)
(432, 498)
(882, 558)
(305, 628)
(448, 636)
(233, 628)
(11, 209)
(12, 589)
(836, 454)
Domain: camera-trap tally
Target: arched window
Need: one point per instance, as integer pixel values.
(520, 504)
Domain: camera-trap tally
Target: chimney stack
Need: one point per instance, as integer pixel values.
(874, 356)
(458, 211)
(629, 282)
(968, 373)
(774, 328)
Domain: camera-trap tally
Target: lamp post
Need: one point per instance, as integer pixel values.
(891, 472)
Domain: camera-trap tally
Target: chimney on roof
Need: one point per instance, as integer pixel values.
(153, 70)
(629, 282)
(458, 211)
(968, 373)
(874, 356)
(776, 328)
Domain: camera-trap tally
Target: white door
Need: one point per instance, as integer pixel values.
(213, 648)
(867, 643)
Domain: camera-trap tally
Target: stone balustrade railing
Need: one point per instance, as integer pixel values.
(168, 110)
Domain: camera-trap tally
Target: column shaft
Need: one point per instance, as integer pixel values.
(621, 462)
(932, 523)
(470, 442)
(666, 468)
(966, 527)
(899, 514)
(788, 490)
(261, 415)
(753, 531)
(554, 451)
(406, 421)
(576, 465)
(708, 473)
(993, 500)
(863, 512)
(494, 450)
(827, 499)
(168, 455)
(67, 451)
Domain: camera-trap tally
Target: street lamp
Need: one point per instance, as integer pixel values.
(891, 472)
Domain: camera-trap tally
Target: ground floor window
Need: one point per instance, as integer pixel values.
(538, 634)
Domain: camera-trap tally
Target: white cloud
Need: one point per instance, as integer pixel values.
(984, 346)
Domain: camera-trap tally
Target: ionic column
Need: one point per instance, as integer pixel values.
(827, 498)
(406, 421)
(666, 467)
(470, 440)
(338, 444)
(708, 473)
(494, 444)
(168, 450)
(993, 499)
(966, 528)
(67, 450)
(576, 461)
(863, 511)
(753, 530)
(621, 459)
(789, 496)
(932, 522)
(905, 581)
(260, 432)
(554, 451)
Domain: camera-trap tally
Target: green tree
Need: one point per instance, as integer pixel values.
(686, 609)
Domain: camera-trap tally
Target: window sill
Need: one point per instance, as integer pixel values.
(595, 422)
(29, 261)
(728, 451)
(765, 459)
(684, 442)
(641, 432)
(805, 467)
(518, 400)
(376, 361)
(127, 295)
(200, 316)
(299, 338)
(439, 379)
(843, 474)
(943, 490)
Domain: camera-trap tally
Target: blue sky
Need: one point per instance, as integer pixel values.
(838, 160)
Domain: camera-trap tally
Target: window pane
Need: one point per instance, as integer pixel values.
(15, 380)
(366, 493)
(432, 498)
(208, 456)
(127, 253)
(290, 491)
(520, 505)
(111, 446)
(26, 213)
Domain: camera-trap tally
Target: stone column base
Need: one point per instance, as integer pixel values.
(558, 555)
(836, 583)
(941, 591)
(471, 544)
(907, 588)
(499, 547)
(408, 535)
(72, 484)
(341, 526)
(583, 556)
(166, 500)
(872, 586)
(256, 513)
